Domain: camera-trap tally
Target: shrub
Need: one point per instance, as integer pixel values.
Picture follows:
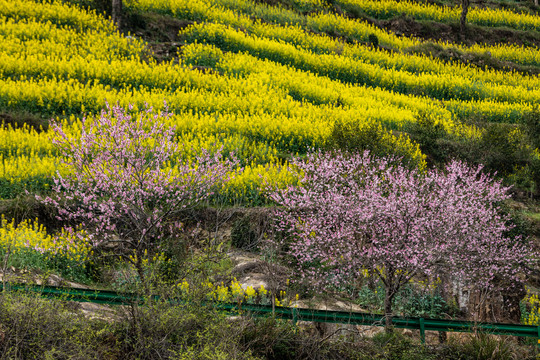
(34, 328)
(426, 132)
(161, 330)
(356, 137)
(242, 234)
(373, 40)
(485, 347)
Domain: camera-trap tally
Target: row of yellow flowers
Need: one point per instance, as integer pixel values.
(35, 174)
(413, 63)
(394, 109)
(346, 69)
(234, 292)
(428, 11)
(162, 76)
(323, 44)
(47, 38)
(29, 235)
(258, 108)
(124, 73)
(228, 11)
(57, 12)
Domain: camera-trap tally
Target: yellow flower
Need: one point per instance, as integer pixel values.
(250, 292)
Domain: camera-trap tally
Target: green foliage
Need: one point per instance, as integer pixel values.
(373, 40)
(484, 347)
(531, 124)
(71, 269)
(521, 226)
(502, 148)
(426, 131)
(271, 339)
(207, 56)
(394, 346)
(505, 149)
(161, 330)
(372, 136)
(409, 301)
(508, 151)
(26, 245)
(25, 259)
(34, 328)
(242, 234)
(35, 184)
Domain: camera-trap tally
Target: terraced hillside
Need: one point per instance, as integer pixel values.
(270, 80)
(265, 82)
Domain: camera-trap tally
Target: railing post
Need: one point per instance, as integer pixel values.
(423, 331)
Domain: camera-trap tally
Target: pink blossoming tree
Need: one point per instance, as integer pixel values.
(355, 212)
(126, 186)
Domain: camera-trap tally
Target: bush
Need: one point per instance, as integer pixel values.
(242, 234)
(275, 339)
(202, 55)
(34, 328)
(357, 136)
(373, 40)
(506, 149)
(426, 132)
(396, 346)
(409, 301)
(485, 347)
(161, 331)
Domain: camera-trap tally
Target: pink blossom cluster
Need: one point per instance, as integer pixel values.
(356, 212)
(127, 187)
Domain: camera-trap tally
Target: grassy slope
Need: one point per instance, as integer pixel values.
(161, 32)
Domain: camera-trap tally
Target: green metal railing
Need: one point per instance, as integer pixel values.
(294, 314)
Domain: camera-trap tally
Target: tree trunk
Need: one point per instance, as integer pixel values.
(442, 337)
(140, 270)
(117, 13)
(463, 19)
(388, 311)
(512, 296)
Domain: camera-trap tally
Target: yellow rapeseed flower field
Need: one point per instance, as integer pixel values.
(270, 86)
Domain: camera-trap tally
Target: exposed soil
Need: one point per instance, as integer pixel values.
(153, 27)
(430, 30)
(481, 60)
(434, 31)
(20, 119)
(160, 31)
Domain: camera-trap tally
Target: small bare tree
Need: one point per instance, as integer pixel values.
(117, 13)
(464, 10)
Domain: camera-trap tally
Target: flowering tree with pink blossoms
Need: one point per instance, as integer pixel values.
(356, 212)
(126, 186)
